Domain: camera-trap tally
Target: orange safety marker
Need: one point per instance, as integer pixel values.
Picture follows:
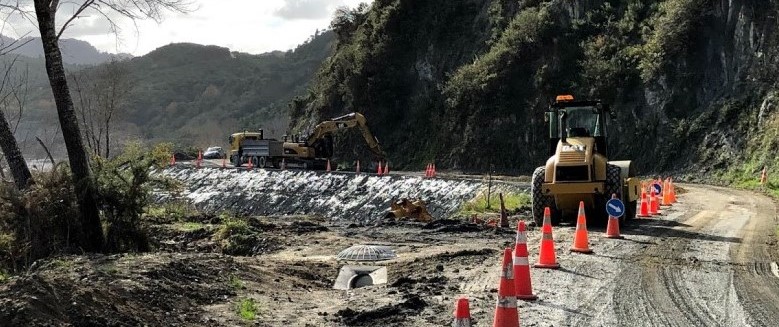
(283, 163)
(199, 158)
(327, 169)
(522, 282)
(378, 170)
(434, 172)
(251, 163)
(666, 198)
(612, 228)
(462, 313)
(547, 258)
(506, 314)
(763, 176)
(224, 162)
(358, 167)
(427, 171)
(172, 160)
(581, 242)
(654, 206)
(643, 207)
(386, 168)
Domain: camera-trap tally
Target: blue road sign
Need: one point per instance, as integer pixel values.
(658, 188)
(615, 208)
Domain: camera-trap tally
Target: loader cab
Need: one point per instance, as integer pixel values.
(577, 119)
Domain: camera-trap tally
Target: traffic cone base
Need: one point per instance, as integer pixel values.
(547, 265)
(327, 168)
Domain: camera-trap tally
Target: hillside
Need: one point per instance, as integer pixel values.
(466, 82)
(190, 94)
(74, 52)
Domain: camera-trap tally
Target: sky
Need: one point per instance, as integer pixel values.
(253, 26)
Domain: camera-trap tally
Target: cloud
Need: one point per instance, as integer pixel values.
(307, 9)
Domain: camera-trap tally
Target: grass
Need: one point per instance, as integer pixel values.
(247, 309)
(190, 226)
(235, 283)
(171, 211)
(4, 276)
(232, 226)
(478, 204)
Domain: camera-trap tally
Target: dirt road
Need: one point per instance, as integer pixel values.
(710, 260)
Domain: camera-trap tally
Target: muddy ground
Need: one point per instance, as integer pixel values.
(710, 260)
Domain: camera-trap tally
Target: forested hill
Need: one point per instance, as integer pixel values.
(466, 82)
(197, 95)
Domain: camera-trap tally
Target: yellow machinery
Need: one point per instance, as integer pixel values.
(407, 209)
(578, 169)
(310, 152)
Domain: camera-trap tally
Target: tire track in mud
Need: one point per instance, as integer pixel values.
(651, 292)
(756, 286)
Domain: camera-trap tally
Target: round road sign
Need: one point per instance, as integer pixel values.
(658, 188)
(615, 208)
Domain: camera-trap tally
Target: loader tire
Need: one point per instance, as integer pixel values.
(541, 201)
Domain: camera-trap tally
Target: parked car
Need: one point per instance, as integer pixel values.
(214, 152)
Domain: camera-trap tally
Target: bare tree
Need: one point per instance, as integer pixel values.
(13, 95)
(100, 96)
(46, 12)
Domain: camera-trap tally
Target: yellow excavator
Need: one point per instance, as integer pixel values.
(310, 152)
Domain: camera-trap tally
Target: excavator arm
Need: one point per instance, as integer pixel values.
(351, 120)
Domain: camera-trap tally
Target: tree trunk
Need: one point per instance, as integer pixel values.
(77, 156)
(13, 155)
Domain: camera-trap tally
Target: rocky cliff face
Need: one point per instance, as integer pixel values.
(466, 82)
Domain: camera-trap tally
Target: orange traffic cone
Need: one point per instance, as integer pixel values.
(386, 168)
(612, 229)
(506, 314)
(522, 281)
(581, 242)
(666, 198)
(654, 206)
(644, 207)
(433, 173)
(199, 159)
(327, 169)
(172, 160)
(378, 170)
(358, 167)
(462, 313)
(224, 162)
(428, 170)
(547, 258)
(251, 161)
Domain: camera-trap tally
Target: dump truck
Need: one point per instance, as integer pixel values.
(305, 152)
(578, 168)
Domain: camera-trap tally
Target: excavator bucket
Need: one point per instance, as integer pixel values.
(406, 209)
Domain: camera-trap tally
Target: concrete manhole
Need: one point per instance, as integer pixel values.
(360, 276)
(367, 253)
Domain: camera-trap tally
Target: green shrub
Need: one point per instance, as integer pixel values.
(247, 309)
(512, 201)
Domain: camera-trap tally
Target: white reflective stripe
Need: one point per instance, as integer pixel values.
(521, 238)
(507, 302)
(521, 261)
(507, 272)
(462, 322)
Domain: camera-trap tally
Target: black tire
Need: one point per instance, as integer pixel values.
(262, 162)
(236, 160)
(540, 201)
